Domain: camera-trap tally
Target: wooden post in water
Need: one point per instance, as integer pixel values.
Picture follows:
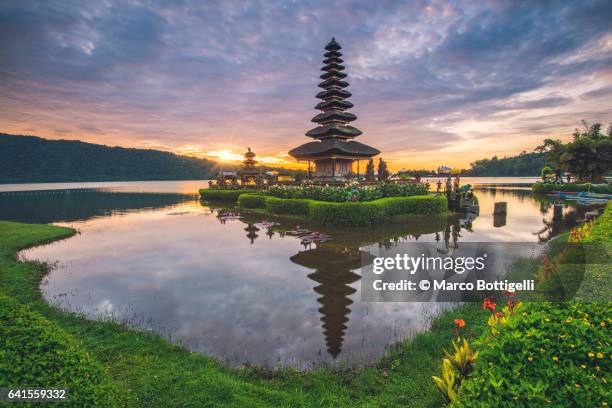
(501, 208)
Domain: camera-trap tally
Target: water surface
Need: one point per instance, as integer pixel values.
(239, 289)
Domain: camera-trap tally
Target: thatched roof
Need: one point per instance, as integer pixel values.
(328, 147)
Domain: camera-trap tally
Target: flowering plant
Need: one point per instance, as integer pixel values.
(350, 192)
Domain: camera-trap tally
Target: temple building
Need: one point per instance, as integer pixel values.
(249, 174)
(334, 151)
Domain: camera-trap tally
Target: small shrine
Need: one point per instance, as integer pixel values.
(249, 174)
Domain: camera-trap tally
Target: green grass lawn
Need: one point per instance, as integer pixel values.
(143, 369)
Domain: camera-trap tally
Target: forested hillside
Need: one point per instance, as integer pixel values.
(32, 159)
(525, 164)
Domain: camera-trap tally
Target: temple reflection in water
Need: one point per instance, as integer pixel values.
(333, 267)
(335, 264)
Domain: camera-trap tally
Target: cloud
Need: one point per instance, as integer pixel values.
(425, 75)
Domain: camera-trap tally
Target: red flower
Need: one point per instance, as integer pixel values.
(499, 315)
(509, 293)
(488, 304)
(459, 323)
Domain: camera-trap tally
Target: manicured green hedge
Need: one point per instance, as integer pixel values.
(541, 187)
(358, 213)
(421, 205)
(36, 352)
(550, 354)
(287, 206)
(223, 195)
(351, 213)
(251, 201)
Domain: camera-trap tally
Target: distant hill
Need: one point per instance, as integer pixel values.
(522, 165)
(25, 159)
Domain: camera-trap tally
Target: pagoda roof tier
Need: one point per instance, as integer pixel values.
(334, 93)
(333, 45)
(333, 60)
(333, 82)
(334, 104)
(333, 130)
(333, 74)
(334, 115)
(331, 54)
(330, 147)
(333, 67)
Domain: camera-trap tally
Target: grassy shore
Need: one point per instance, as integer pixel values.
(543, 188)
(144, 369)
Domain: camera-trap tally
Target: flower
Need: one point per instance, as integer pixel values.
(488, 304)
(591, 355)
(459, 323)
(555, 358)
(599, 355)
(509, 293)
(499, 315)
(530, 358)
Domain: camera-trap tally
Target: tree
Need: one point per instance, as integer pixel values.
(588, 156)
(369, 171)
(546, 171)
(383, 171)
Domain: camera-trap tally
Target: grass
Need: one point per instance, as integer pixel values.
(542, 187)
(146, 370)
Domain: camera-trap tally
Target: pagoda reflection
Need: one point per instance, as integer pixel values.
(333, 267)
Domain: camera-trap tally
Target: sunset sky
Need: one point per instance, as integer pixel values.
(433, 82)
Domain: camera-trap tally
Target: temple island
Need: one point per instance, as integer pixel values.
(334, 175)
(334, 151)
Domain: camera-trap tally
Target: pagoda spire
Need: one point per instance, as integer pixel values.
(334, 150)
(333, 120)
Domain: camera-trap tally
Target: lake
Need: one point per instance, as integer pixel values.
(152, 255)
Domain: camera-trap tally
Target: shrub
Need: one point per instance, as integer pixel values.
(418, 205)
(550, 354)
(541, 187)
(252, 201)
(347, 213)
(287, 206)
(214, 194)
(36, 352)
(545, 172)
(339, 194)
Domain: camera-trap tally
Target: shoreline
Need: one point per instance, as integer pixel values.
(132, 357)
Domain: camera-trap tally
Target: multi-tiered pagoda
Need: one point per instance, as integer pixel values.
(334, 151)
(249, 174)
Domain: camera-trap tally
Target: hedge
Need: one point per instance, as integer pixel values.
(223, 195)
(541, 187)
(361, 213)
(36, 352)
(251, 201)
(421, 205)
(287, 206)
(351, 213)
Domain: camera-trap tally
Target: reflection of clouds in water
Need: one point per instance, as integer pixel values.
(204, 283)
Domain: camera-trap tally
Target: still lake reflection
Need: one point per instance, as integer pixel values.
(241, 291)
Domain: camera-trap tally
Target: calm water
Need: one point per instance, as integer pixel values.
(238, 289)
